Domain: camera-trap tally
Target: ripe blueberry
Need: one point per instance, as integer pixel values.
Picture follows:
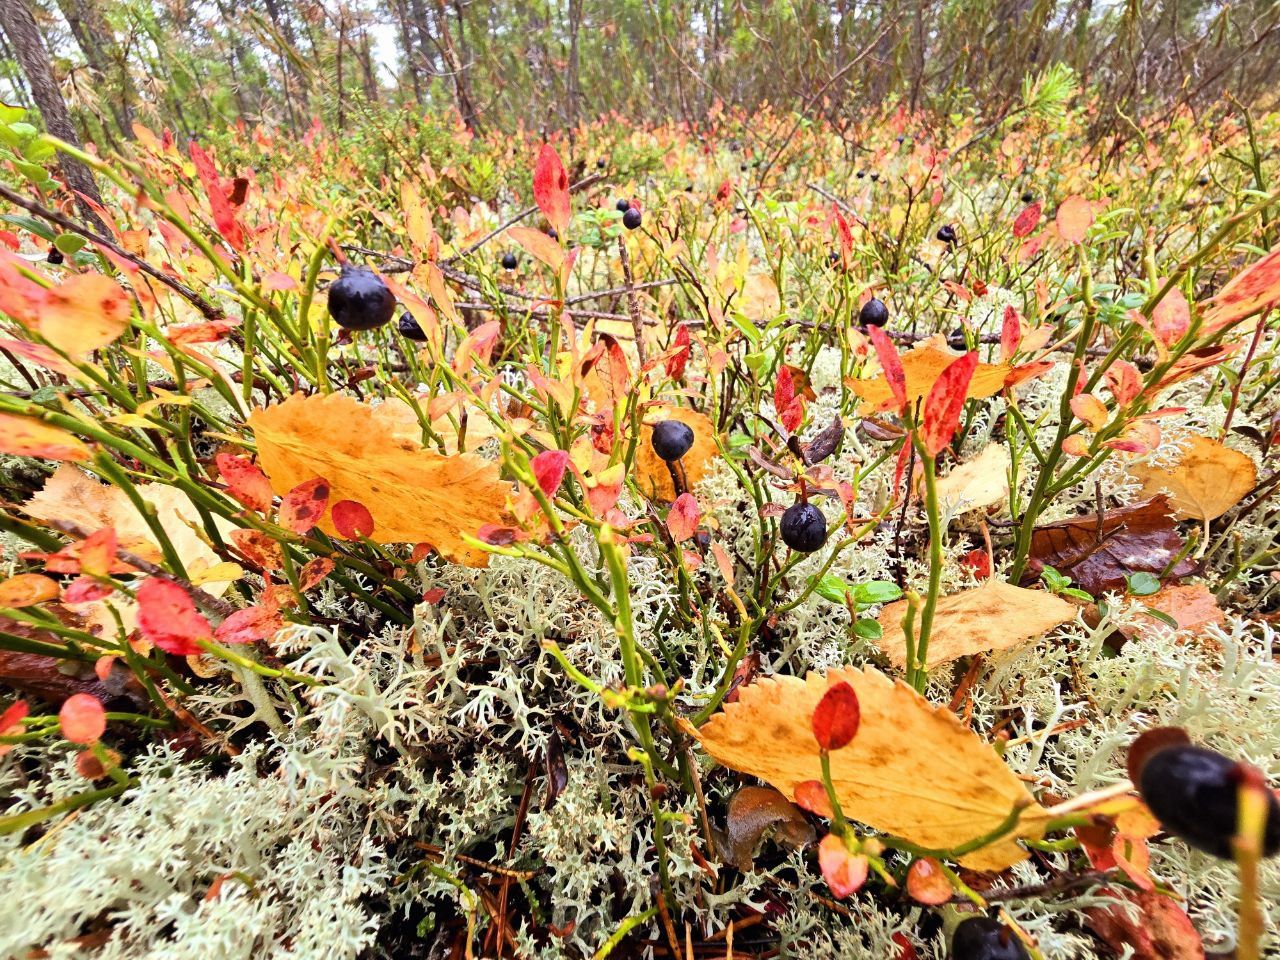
(873, 313)
(875, 177)
(631, 219)
(860, 174)
(956, 340)
(409, 328)
(509, 260)
(672, 439)
(947, 233)
(599, 163)
(1203, 181)
(551, 232)
(1193, 792)
(981, 938)
(804, 528)
(54, 256)
(359, 300)
(1027, 196)
(623, 205)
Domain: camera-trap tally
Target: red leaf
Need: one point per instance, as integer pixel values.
(786, 401)
(680, 356)
(258, 548)
(836, 717)
(548, 470)
(979, 562)
(314, 572)
(1027, 220)
(82, 718)
(11, 723)
(1075, 217)
(248, 625)
(85, 590)
(1171, 317)
(245, 481)
(1162, 930)
(682, 518)
(927, 884)
(1124, 381)
(352, 519)
(168, 618)
(1010, 334)
(304, 505)
(844, 872)
(551, 189)
(945, 403)
(891, 363)
(811, 795)
(224, 215)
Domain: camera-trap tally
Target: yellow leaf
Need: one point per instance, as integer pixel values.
(539, 245)
(415, 220)
(28, 589)
(1075, 217)
(652, 475)
(85, 312)
(29, 437)
(414, 494)
(1205, 483)
(759, 301)
(922, 366)
(978, 483)
(913, 771)
(994, 616)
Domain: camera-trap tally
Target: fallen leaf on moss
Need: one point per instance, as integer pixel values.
(1162, 930)
(1207, 481)
(652, 475)
(954, 791)
(995, 616)
(1193, 606)
(1100, 554)
(977, 483)
(756, 811)
(923, 365)
(413, 494)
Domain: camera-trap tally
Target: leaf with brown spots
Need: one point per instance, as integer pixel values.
(913, 770)
(1207, 481)
(1100, 553)
(413, 494)
(995, 616)
(652, 475)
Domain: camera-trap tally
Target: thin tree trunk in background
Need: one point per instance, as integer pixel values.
(342, 35)
(575, 22)
(20, 27)
(461, 93)
(366, 67)
(406, 45)
(93, 37)
(288, 70)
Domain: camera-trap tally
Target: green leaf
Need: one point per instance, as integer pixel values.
(32, 171)
(69, 243)
(1077, 594)
(1162, 617)
(11, 114)
(1143, 584)
(38, 151)
(868, 629)
(877, 591)
(832, 588)
(30, 224)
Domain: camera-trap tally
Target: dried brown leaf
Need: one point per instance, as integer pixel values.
(1207, 481)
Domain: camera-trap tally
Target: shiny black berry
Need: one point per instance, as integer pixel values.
(873, 313)
(981, 938)
(860, 174)
(359, 300)
(956, 339)
(623, 205)
(1027, 196)
(553, 233)
(947, 233)
(509, 260)
(631, 219)
(804, 528)
(833, 258)
(409, 328)
(1193, 792)
(1203, 181)
(599, 163)
(54, 256)
(672, 439)
(875, 177)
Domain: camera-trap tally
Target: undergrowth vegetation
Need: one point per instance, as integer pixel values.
(733, 545)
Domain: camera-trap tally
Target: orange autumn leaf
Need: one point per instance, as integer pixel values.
(27, 589)
(84, 312)
(413, 494)
(907, 793)
(28, 437)
(1253, 289)
(539, 245)
(1192, 606)
(1207, 480)
(652, 474)
(1074, 218)
(922, 367)
(994, 616)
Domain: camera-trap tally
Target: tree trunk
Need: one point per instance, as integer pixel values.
(20, 27)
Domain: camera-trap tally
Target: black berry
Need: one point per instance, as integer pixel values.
(1027, 196)
(359, 300)
(947, 233)
(409, 328)
(623, 205)
(860, 174)
(54, 256)
(804, 528)
(873, 313)
(631, 219)
(1193, 792)
(672, 439)
(833, 258)
(552, 233)
(599, 163)
(875, 177)
(509, 260)
(956, 340)
(1203, 181)
(981, 938)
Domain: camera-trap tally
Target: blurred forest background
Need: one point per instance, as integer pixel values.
(94, 67)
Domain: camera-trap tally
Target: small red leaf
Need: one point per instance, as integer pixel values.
(352, 519)
(304, 505)
(248, 625)
(551, 189)
(245, 481)
(682, 518)
(680, 355)
(891, 363)
(1075, 217)
(811, 795)
(85, 590)
(314, 572)
(82, 718)
(844, 872)
(1010, 334)
(548, 470)
(224, 215)
(836, 717)
(1027, 220)
(945, 403)
(927, 884)
(168, 618)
